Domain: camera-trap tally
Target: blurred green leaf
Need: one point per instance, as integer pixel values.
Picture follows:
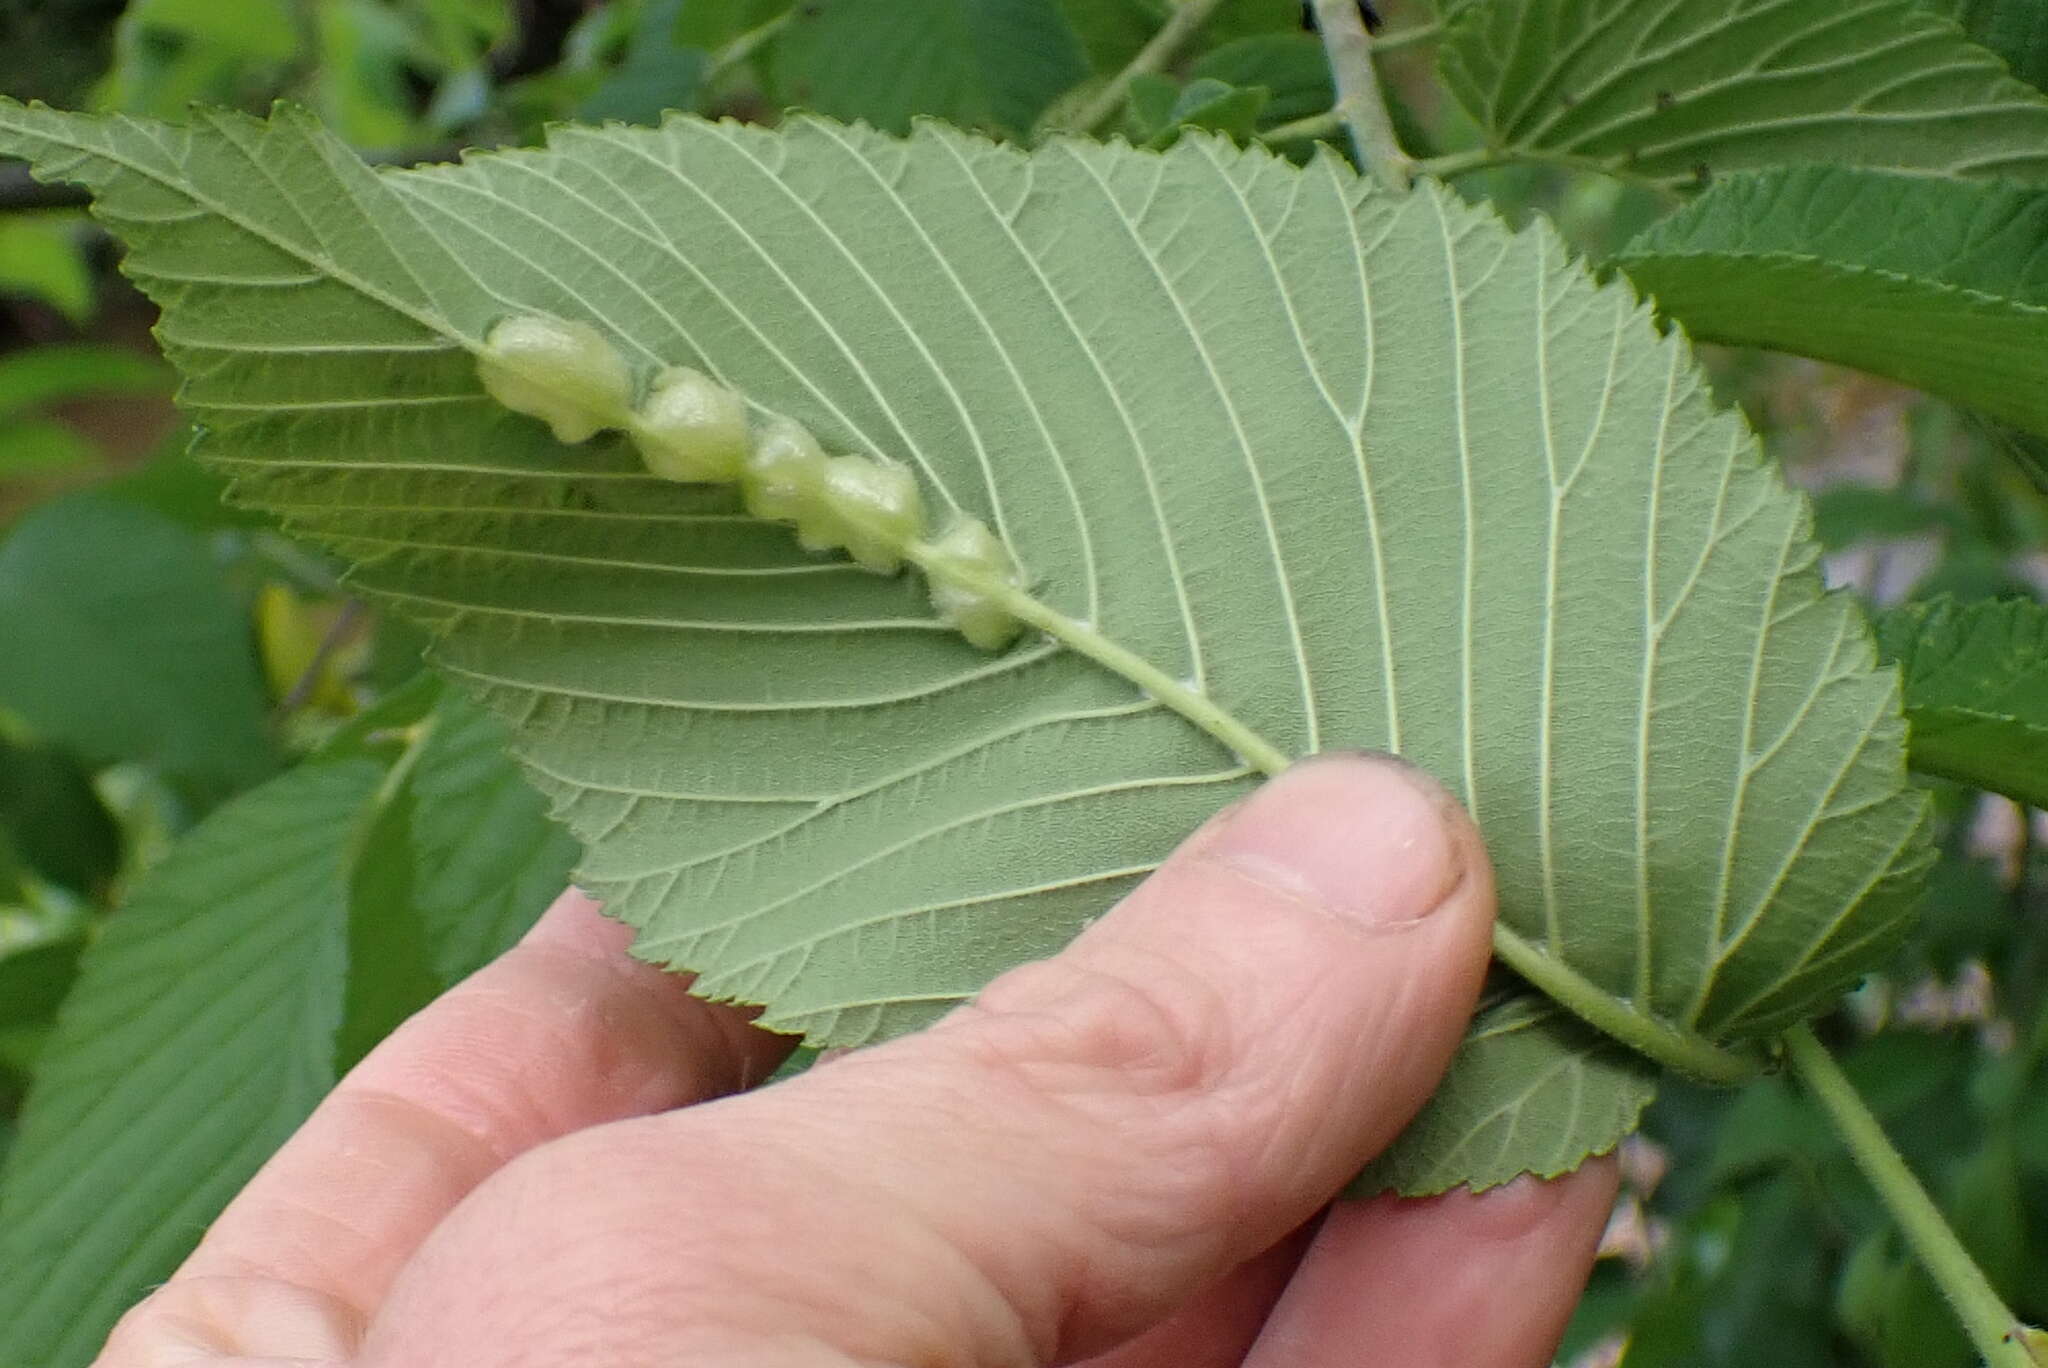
(54, 371)
(1845, 514)
(30, 446)
(1939, 284)
(1291, 67)
(1112, 31)
(39, 950)
(1976, 691)
(360, 82)
(40, 259)
(262, 30)
(125, 643)
(54, 819)
(712, 24)
(659, 71)
(992, 64)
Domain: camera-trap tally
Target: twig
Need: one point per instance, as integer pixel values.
(2000, 1337)
(331, 641)
(1359, 102)
(1314, 126)
(742, 47)
(1173, 35)
(1393, 40)
(1473, 159)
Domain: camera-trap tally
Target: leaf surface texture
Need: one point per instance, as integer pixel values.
(1364, 471)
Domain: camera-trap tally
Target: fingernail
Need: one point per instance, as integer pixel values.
(1368, 837)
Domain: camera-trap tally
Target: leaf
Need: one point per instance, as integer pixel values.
(215, 1007)
(983, 63)
(1535, 1090)
(33, 446)
(124, 643)
(1670, 89)
(1290, 65)
(40, 259)
(197, 1037)
(57, 371)
(1940, 285)
(2016, 30)
(659, 71)
(486, 861)
(1976, 691)
(1363, 470)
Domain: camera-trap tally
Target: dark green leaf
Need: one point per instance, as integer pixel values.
(2016, 30)
(1290, 65)
(199, 1034)
(659, 72)
(124, 643)
(979, 63)
(53, 818)
(1976, 682)
(1669, 88)
(40, 943)
(1938, 284)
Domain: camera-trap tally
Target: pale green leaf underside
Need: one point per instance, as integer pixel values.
(1666, 88)
(1938, 284)
(1976, 691)
(1367, 471)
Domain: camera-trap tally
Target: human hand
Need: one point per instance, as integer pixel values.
(1118, 1152)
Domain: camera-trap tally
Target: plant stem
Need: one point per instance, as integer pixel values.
(742, 47)
(1997, 1333)
(1558, 981)
(1473, 159)
(1164, 46)
(1314, 126)
(1393, 40)
(1359, 102)
(338, 631)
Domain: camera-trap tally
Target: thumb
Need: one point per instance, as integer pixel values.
(1097, 1137)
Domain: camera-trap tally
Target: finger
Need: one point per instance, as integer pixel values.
(1048, 1171)
(1465, 1280)
(562, 1032)
(1217, 1327)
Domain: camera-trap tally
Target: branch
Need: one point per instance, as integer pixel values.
(2001, 1338)
(1359, 101)
(1173, 35)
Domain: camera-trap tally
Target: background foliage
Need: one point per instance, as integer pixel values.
(189, 704)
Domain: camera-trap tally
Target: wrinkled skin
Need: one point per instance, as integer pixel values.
(1120, 1156)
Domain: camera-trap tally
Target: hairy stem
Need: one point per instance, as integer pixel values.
(1165, 45)
(1998, 1334)
(1689, 1054)
(1359, 102)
